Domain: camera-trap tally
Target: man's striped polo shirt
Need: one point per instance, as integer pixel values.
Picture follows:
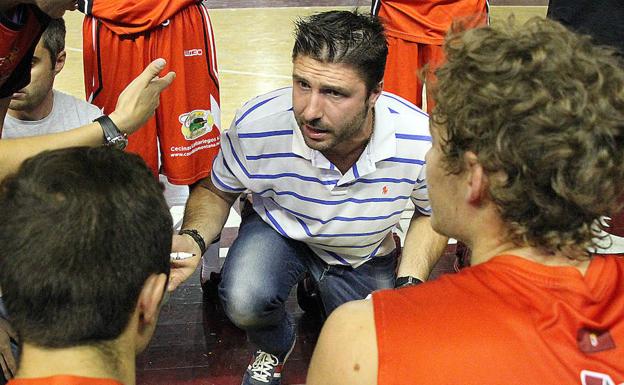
(345, 219)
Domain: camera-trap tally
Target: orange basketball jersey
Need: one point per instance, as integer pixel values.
(427, 21)
(506, 321)
(125, 17)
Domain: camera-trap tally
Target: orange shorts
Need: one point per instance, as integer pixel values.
(405, 61)
(187, 123)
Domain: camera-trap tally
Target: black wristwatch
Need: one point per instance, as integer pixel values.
(113, 137)
(406, 281)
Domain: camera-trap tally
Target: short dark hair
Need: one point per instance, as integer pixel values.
(53, 38)
(344, 37)
(81, 229)
(542, 107)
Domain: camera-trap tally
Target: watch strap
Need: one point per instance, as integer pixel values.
(113, 137)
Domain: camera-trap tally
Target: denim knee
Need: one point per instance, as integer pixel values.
(250, 308)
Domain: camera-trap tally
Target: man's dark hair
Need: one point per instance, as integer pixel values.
(53, 38)
(347, 38)
(81, 229)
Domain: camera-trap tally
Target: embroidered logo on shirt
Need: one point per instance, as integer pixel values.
(196, 123)
(385, 190)
(593, 378)
(594, 341)
(193, 52)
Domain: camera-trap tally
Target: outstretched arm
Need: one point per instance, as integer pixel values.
(206, 211)
(134, 106)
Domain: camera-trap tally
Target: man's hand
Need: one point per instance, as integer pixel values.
(139, 99)
(184, 268)
(7, 361)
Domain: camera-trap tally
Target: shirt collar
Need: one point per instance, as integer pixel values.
(382, 144)
(298, 143)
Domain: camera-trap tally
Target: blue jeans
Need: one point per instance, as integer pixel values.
(14, 346)
(262, 267)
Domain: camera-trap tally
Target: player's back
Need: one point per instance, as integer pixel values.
(506, 321)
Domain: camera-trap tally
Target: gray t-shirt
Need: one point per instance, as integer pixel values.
(67, 112)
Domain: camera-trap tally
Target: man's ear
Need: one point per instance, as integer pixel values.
(150, 298)
(477, 179)
(60, 62)
(375, 93)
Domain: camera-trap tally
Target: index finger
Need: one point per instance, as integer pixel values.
(163, 82)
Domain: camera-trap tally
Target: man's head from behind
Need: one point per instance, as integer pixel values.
(84, 257)
(540, 112)
(48, 60)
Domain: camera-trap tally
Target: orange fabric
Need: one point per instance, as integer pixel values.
(126, 17)
(187, 122)
(506, 321)
(416, 31)
(405, 59)
(17, 44)
(63, 380)
(427, 21)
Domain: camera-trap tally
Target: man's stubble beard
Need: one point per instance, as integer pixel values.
(351, 128)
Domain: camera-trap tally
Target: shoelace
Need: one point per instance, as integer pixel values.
(263, 366)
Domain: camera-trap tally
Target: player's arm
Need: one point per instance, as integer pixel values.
(423, 248)
(346, 351)
(134, 106)
(207, 209)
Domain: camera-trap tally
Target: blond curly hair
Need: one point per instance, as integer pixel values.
(544, 107)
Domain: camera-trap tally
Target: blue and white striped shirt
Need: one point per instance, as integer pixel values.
(345, 219)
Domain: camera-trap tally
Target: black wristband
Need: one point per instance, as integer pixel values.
(196, 237)
(406, 281)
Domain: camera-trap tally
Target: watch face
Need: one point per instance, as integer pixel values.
(118, 142)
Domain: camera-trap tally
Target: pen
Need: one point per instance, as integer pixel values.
(177, 256)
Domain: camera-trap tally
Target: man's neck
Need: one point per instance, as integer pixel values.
(38, 113)
(80, 361)
(485, 248)
(344, 162)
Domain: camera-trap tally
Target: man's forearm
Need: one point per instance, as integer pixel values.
(14, 151)
(423, 248)
(207, 209)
